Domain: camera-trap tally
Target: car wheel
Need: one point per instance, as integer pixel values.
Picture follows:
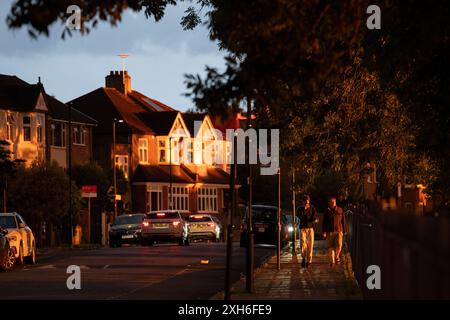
(10, 261)
(19, 259)
(31, 259)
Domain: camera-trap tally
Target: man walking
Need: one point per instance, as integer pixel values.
(308, 217)
(334, 229)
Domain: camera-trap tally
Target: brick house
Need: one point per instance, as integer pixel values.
(157, 147)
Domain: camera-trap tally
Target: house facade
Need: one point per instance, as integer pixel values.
(170, 159)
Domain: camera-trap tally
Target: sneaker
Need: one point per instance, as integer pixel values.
(338, 261)
(331, 264)
(303, 262)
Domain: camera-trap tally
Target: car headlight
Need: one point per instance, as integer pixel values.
(290, 229)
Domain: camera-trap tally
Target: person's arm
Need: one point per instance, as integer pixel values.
(344, 222)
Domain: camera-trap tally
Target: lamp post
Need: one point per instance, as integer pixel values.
(114, 165)
(250, 236)
(279, 222)
(294, 216)
(170, 171)
(70, 177)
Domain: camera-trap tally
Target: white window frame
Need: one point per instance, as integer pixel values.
(26, 126)
(159, 197)
(208, 200)
(122, 165)
(180, 199)
(62, 135)
(79, 134)
(143, 150)
(39, 128)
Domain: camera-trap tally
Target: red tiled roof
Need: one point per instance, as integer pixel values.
(149, 103)
(180, 174)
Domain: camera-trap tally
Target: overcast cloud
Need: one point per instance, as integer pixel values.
(160, 54)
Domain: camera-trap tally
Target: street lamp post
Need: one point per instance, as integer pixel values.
(294, 216)
(70, 177)
(250, 236)
(114, 165)
(170, 171)
(231, 213)
(279, 222)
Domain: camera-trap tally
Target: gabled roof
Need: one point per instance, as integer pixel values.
(190, 118)
(11, 80)
(19, 97)
(149, 103)
(60, 111)
(107, 104)
(160, 122)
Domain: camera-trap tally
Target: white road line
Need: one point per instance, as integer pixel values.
(48, 266)
(105, 267)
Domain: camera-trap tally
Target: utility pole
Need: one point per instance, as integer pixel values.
(294, 215)
(250, 236)
(114, 169)
(279, 222)
(170, 170)
(232, 212)
(70, 176)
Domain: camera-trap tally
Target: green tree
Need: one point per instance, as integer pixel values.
(39, 193)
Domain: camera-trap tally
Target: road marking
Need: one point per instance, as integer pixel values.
(106, 267)
(84, 267)
(48, 266)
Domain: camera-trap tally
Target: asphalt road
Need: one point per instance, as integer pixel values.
(132, 272)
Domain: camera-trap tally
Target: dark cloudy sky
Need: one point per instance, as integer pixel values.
(160, 54)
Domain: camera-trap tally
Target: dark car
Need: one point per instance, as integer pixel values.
(265, 226)
(7, 252)
(126, 229)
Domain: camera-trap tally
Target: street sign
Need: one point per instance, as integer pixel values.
(89, 191)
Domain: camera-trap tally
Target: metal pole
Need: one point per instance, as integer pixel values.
(294, 215)
(70, 177)
(170, 168)
(114, 168)
(89, 219)
(232, 210)
(250, 236)
(279, 222)
(4, 194)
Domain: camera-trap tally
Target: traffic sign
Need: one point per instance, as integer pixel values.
(89, 191)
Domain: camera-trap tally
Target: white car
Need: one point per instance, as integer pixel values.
(20, 237)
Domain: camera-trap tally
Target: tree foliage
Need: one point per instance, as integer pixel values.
(39, 193)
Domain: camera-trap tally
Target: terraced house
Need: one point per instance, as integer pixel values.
(171, 160)
(35, 124)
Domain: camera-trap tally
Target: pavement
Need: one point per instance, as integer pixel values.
(292, 282)
(165, 271)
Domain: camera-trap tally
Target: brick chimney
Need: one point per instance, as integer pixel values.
(119, 80)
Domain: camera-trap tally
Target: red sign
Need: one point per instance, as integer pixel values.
(89, 191)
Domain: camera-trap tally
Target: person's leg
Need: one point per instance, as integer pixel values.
(339, 239)
(310, 244)
(329, 240)
(303, 239)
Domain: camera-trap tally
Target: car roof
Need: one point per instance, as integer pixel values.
(131, 215)
(260, 206)
(165, 211)
(8, 214)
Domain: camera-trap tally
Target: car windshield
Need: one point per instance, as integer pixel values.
(8, 222)
(163, 215)
(134, 219)
(199, 219)
(264, 214)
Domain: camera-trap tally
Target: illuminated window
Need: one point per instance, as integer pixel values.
(163, 150)
(207, 200)
(26, 128)
(10, 127)
(143, 150)
(39, 129)
(122, 164)
(180, 199)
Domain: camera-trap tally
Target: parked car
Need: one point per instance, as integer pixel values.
(164, 226)
(20, 237)
(7, 253)
(126, 229)
(203, 227)
(264, 226)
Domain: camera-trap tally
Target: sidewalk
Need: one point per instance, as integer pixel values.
(292, 282)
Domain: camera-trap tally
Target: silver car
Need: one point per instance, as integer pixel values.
(164, 226)
(203, 226)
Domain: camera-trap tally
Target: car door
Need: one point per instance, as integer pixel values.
(25, 234)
